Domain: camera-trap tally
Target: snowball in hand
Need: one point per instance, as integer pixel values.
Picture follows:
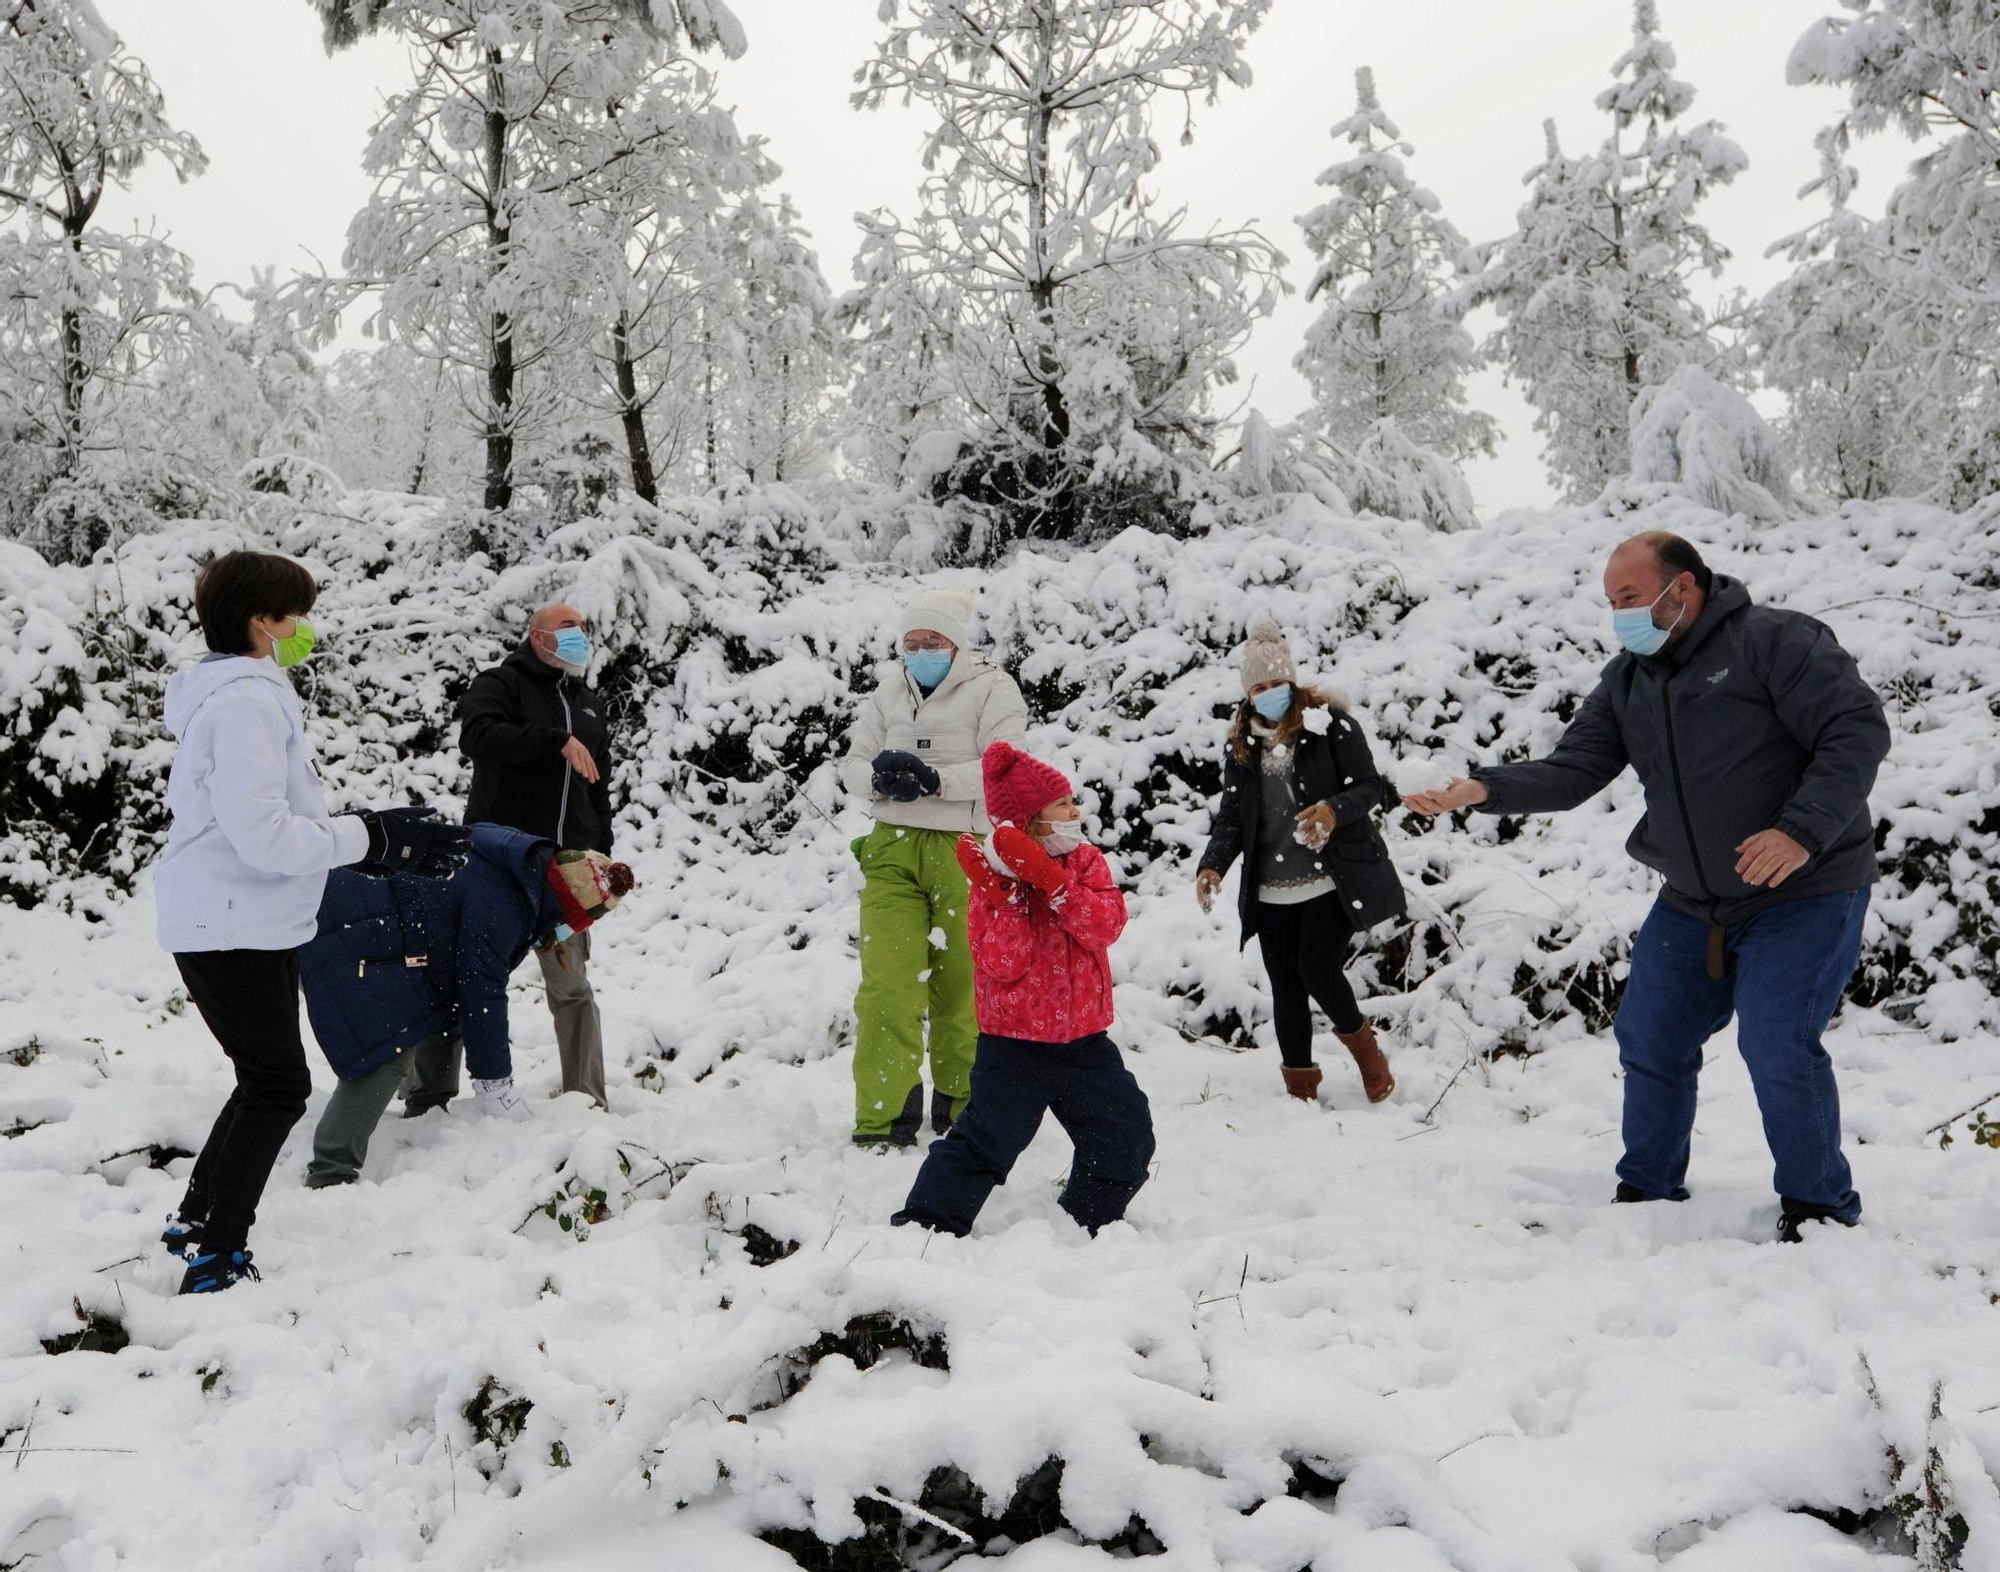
(1422, 774)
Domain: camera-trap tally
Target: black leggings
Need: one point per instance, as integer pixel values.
(250, 1000)
(1304, 948)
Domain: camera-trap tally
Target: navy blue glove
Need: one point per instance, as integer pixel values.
(903, 776)
(413, 840)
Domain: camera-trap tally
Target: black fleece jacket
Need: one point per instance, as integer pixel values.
(513, 722)
(1755, 719)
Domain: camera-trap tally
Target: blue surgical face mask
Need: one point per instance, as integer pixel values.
(1273, 703)
(1636, 630)
(927, 668)
(573, 647)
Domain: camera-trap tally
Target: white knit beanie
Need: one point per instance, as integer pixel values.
(946, 611)
(1266, 656)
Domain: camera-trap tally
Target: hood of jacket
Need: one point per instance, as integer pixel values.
(1726, 597)
(524, 660)
(193, 686)
(523, 860)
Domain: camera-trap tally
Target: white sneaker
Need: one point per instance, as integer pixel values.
(499, 1100)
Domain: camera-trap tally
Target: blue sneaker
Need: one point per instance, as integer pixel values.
(211, 1274)
(182, 1235)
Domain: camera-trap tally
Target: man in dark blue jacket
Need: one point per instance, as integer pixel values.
(406, 973)
(1757, 742)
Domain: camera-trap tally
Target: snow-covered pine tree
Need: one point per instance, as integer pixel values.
(1817, 338)
(904, 328)
(1035, 229)
(87, 311)
(472, 242)
(1928, 70)
(1388, 343)
(791, 350)
(1595, 287)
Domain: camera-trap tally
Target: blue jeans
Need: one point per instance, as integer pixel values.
(1788, 967)
(1014, 1082)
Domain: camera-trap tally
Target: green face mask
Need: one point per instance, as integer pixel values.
(293, 650)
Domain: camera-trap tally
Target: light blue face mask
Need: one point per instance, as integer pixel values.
(573, 647)
(1635, 629)
(1273, 703)
(927, 668)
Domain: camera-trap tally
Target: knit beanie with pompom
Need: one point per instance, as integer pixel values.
(587, 884)
(1266, 656)
(1019, 786)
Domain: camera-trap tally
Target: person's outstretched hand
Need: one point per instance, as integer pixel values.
(1206, 883)
(1460, 793)
(414, 840)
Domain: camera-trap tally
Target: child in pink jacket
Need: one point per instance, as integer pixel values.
(1044, 915)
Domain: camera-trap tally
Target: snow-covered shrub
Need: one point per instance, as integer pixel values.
(1391, 475)
(1692, 432)
(737, 633)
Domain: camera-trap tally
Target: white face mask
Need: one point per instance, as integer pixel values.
(1064, 836)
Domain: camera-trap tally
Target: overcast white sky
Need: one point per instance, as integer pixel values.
(1468, 81)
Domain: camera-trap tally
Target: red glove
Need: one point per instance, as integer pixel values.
(984, 880)
(1032, 866)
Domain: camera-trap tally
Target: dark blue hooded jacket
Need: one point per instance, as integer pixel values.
(400, 959)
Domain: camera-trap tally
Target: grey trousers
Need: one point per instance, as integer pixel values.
(340, 1140)
(579, 1029)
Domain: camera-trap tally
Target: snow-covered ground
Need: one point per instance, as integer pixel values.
(1501, 1369)
(1408, 1337)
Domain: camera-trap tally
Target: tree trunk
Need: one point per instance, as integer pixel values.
(1041, 286)
(500, 363)
(75, 376)
(1624, 328)
(630, 414)
(784, 415)
(708, 439)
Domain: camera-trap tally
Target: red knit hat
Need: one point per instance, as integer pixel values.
(1019, 787)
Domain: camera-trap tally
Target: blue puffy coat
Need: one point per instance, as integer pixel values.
(400, 959)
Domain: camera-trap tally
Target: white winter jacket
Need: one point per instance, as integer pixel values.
(250, 843)
(974, 707)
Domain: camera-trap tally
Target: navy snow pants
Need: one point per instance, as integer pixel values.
(1014, 1082)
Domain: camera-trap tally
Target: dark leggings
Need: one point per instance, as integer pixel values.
(1304, 948)
(250, 1000)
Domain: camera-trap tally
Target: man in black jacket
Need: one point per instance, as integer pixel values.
(1757, 742)
(541, 762)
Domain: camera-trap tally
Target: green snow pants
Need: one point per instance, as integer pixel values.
(915, 895)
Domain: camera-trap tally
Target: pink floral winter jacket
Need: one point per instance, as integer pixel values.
(1042, 971)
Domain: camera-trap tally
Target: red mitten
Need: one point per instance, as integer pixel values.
(979, 872)
(1032, 866)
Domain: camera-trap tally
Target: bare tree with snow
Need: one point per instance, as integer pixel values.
(1088, 327)
(1595, 287)
(87, 311)
(476, 243)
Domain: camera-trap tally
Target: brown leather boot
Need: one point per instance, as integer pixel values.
(1376, 1080)
(1302, 1081)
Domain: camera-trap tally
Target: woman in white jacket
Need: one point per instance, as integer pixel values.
(913, 756)
(238, 887)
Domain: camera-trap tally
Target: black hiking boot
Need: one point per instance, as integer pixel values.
(903, 1132)
(1794, 1215)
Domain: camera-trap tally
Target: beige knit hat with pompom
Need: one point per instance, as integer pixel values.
(1266, 656)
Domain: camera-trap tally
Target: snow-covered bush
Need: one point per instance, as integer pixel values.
(1692, 432)
(737, 631)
